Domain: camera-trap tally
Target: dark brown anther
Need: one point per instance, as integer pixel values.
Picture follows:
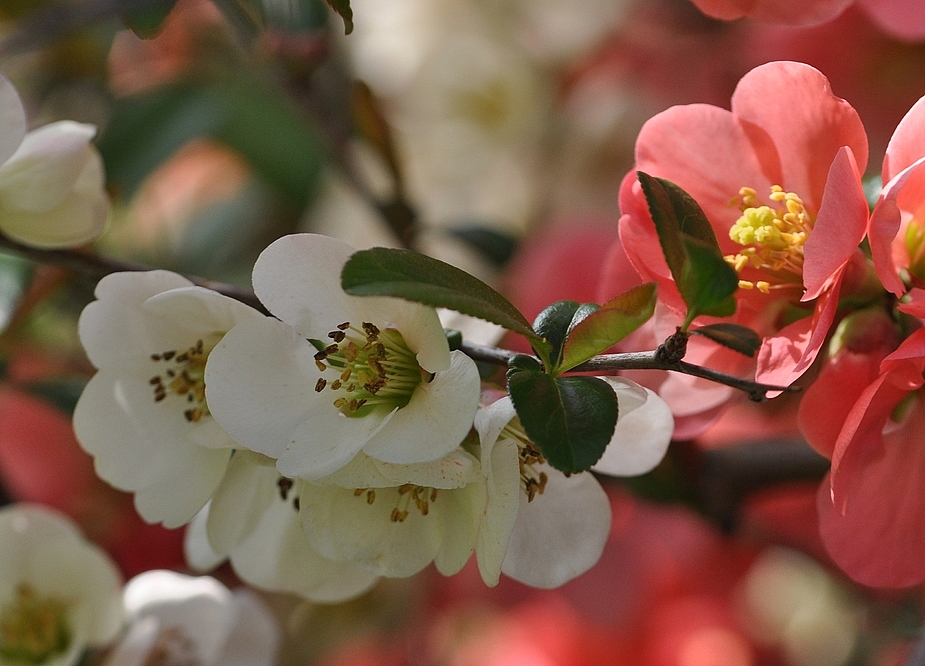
(154, 381)
(380, 349)
(285, 485)
(344, 326)
(167, 355)
(155, 357)
(319, 387)
(183, 358)
(337, 336)
(370, 496)
(371, 331)
(320, 356)
(295, 503)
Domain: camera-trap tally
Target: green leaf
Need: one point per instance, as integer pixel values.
(735, 336)
(570, 419)
(704, 279)
(15, 275)
(342, 7)
(605, 327)
(249, 116)
(147, 22)
(553, 324)
(707, 282)
(415, 277)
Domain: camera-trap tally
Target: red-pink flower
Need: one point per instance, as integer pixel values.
(900, 18)
(871, 506)
(778, 177)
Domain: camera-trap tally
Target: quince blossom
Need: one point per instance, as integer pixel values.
(59, 594)
(253, 521)
(51, 179)
(143, 416)
(339, 374)
(544, 528)
(178, 619)
(779, 179)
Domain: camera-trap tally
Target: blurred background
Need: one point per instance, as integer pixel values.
(492, 134)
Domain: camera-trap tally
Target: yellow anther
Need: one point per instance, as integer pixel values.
(763, 287)
(745, 284)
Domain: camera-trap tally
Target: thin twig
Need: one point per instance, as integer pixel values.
(608, 364)
(96, 267)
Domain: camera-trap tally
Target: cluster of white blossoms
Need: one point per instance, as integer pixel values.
(334, 442)
(61, 596)
(51, 179)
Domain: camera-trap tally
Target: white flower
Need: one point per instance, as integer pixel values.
(59, 593)
(253, 521)
(541, 527)
(178, 619)
(143, 416)
(385, 384)
(51, 179)
(394, 520)
(643, 432)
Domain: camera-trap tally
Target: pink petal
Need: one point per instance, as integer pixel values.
(873, 528)
(886, 220)
(907, 145)
(794, 104)
(899, 18)
(726, 10)
(916, 304)
(798, 13)
(786, 355)
(840, 226)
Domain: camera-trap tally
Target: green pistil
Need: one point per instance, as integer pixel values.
(33, 628)
(367, 369)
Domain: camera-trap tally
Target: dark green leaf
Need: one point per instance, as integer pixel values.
(608, 325)
(553, 324)
(704, 279)
(415, 277)
(570, 419)
(707, 282)
(520, 362)
(342, 7)
(147, 22)
(735, 336)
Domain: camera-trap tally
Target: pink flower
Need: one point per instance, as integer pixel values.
(900, 18)
(779, 179)
(871, 506)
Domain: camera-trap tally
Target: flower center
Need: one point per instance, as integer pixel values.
(772, 239)
(368, 368)
(408, 494)
(33, 628)
(532, 480)
(184, 376)
(173, 648)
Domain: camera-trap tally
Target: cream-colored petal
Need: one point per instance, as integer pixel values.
(12, 120)
(435, 420)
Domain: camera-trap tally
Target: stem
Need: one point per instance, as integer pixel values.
(609, 364)
(97, 267)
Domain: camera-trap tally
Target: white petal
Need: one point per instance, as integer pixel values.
(260, 384)
(201, 310)
(78, 219)
(199, 554)
(326, 441)
(42, 172)
(12, 120)
(489, 422)
(463, 510)
(245, 494)
(254, 639)
(136, 645)
(114, 329)
(503, 501)
(420, 327)
(278, 557)
(642, 435)
(435, 420)
(200, 609)
(297, 278)
(140, 444)
(347, 527)
(455, 470)
(561, 533)
(361, 472)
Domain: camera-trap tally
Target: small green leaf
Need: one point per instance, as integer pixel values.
(342, 7)
(147, 22)
(707, 281)
(607, 326)
(415, 277)
(570, 419)
(735, 336)
(704, 279)
(553, 324)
